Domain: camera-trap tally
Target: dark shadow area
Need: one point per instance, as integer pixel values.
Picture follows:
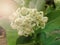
(49, 3)
(2, 32)
(24, 40)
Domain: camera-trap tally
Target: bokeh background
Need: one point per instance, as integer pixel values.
(7, 7)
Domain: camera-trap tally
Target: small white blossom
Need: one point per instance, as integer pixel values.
(26, 21)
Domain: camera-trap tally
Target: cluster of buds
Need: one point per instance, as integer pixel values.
(27, 20)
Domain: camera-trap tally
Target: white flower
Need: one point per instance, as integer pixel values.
(24, 11)
(26, 21)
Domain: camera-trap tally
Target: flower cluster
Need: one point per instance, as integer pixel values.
(26, 20)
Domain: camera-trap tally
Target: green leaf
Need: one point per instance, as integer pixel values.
(52, 29)
(24, 40)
